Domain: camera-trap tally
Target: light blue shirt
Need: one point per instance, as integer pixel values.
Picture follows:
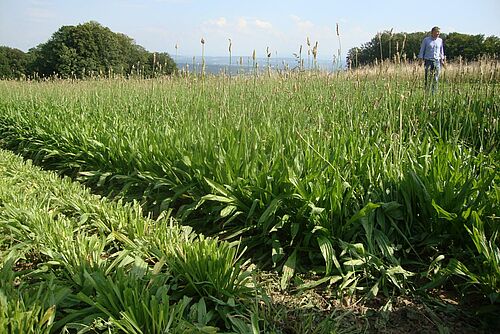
(431, 49)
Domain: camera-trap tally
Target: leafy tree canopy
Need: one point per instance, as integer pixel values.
(406, 46)
(91, 49)
(13, 63)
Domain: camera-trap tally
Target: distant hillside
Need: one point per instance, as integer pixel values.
(245, 64)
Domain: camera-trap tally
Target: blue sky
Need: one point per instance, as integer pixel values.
(158, 25)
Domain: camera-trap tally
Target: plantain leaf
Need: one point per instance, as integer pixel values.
(365, 211)
(271, 209)
(288, 270)
(327, 251)
(313, 284)
(374, 290)
(217, 198)
(217, 187)
(442, 213)
(354, 262)
(228, 210)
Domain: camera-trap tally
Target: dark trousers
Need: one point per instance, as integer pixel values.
(432, 70)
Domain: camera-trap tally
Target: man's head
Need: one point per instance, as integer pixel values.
(435, 32)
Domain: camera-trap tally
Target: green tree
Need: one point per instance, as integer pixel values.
(387, 45)
(407, 46)
(468, 47)
(491, 47)
(13, 63)
(90, 49)
(158, 63)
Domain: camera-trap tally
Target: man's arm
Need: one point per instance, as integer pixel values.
(442, 56)
(422, 49)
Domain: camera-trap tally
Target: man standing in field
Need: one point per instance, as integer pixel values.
(432, 52)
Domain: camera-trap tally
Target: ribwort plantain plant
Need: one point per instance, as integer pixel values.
(284, 164)
(71, 260)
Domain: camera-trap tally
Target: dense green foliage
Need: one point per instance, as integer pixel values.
(70, 260)
(362, 176)
(406, 46)
(13, 63)
(470, 47)
(85, 50)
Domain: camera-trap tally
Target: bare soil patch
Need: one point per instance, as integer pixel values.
(439, 312)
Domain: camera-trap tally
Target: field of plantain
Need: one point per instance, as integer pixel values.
(361, 177)
(71, 261)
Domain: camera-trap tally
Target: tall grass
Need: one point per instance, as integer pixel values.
(303, 167)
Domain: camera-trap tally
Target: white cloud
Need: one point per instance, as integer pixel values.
(220, 22)
(242, 23)
(263, 24)
(302, 25)
(324, 34)
(246, 33)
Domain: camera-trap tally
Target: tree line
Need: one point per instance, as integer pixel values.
(90, 49)
(85, 50)
(406, 46)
